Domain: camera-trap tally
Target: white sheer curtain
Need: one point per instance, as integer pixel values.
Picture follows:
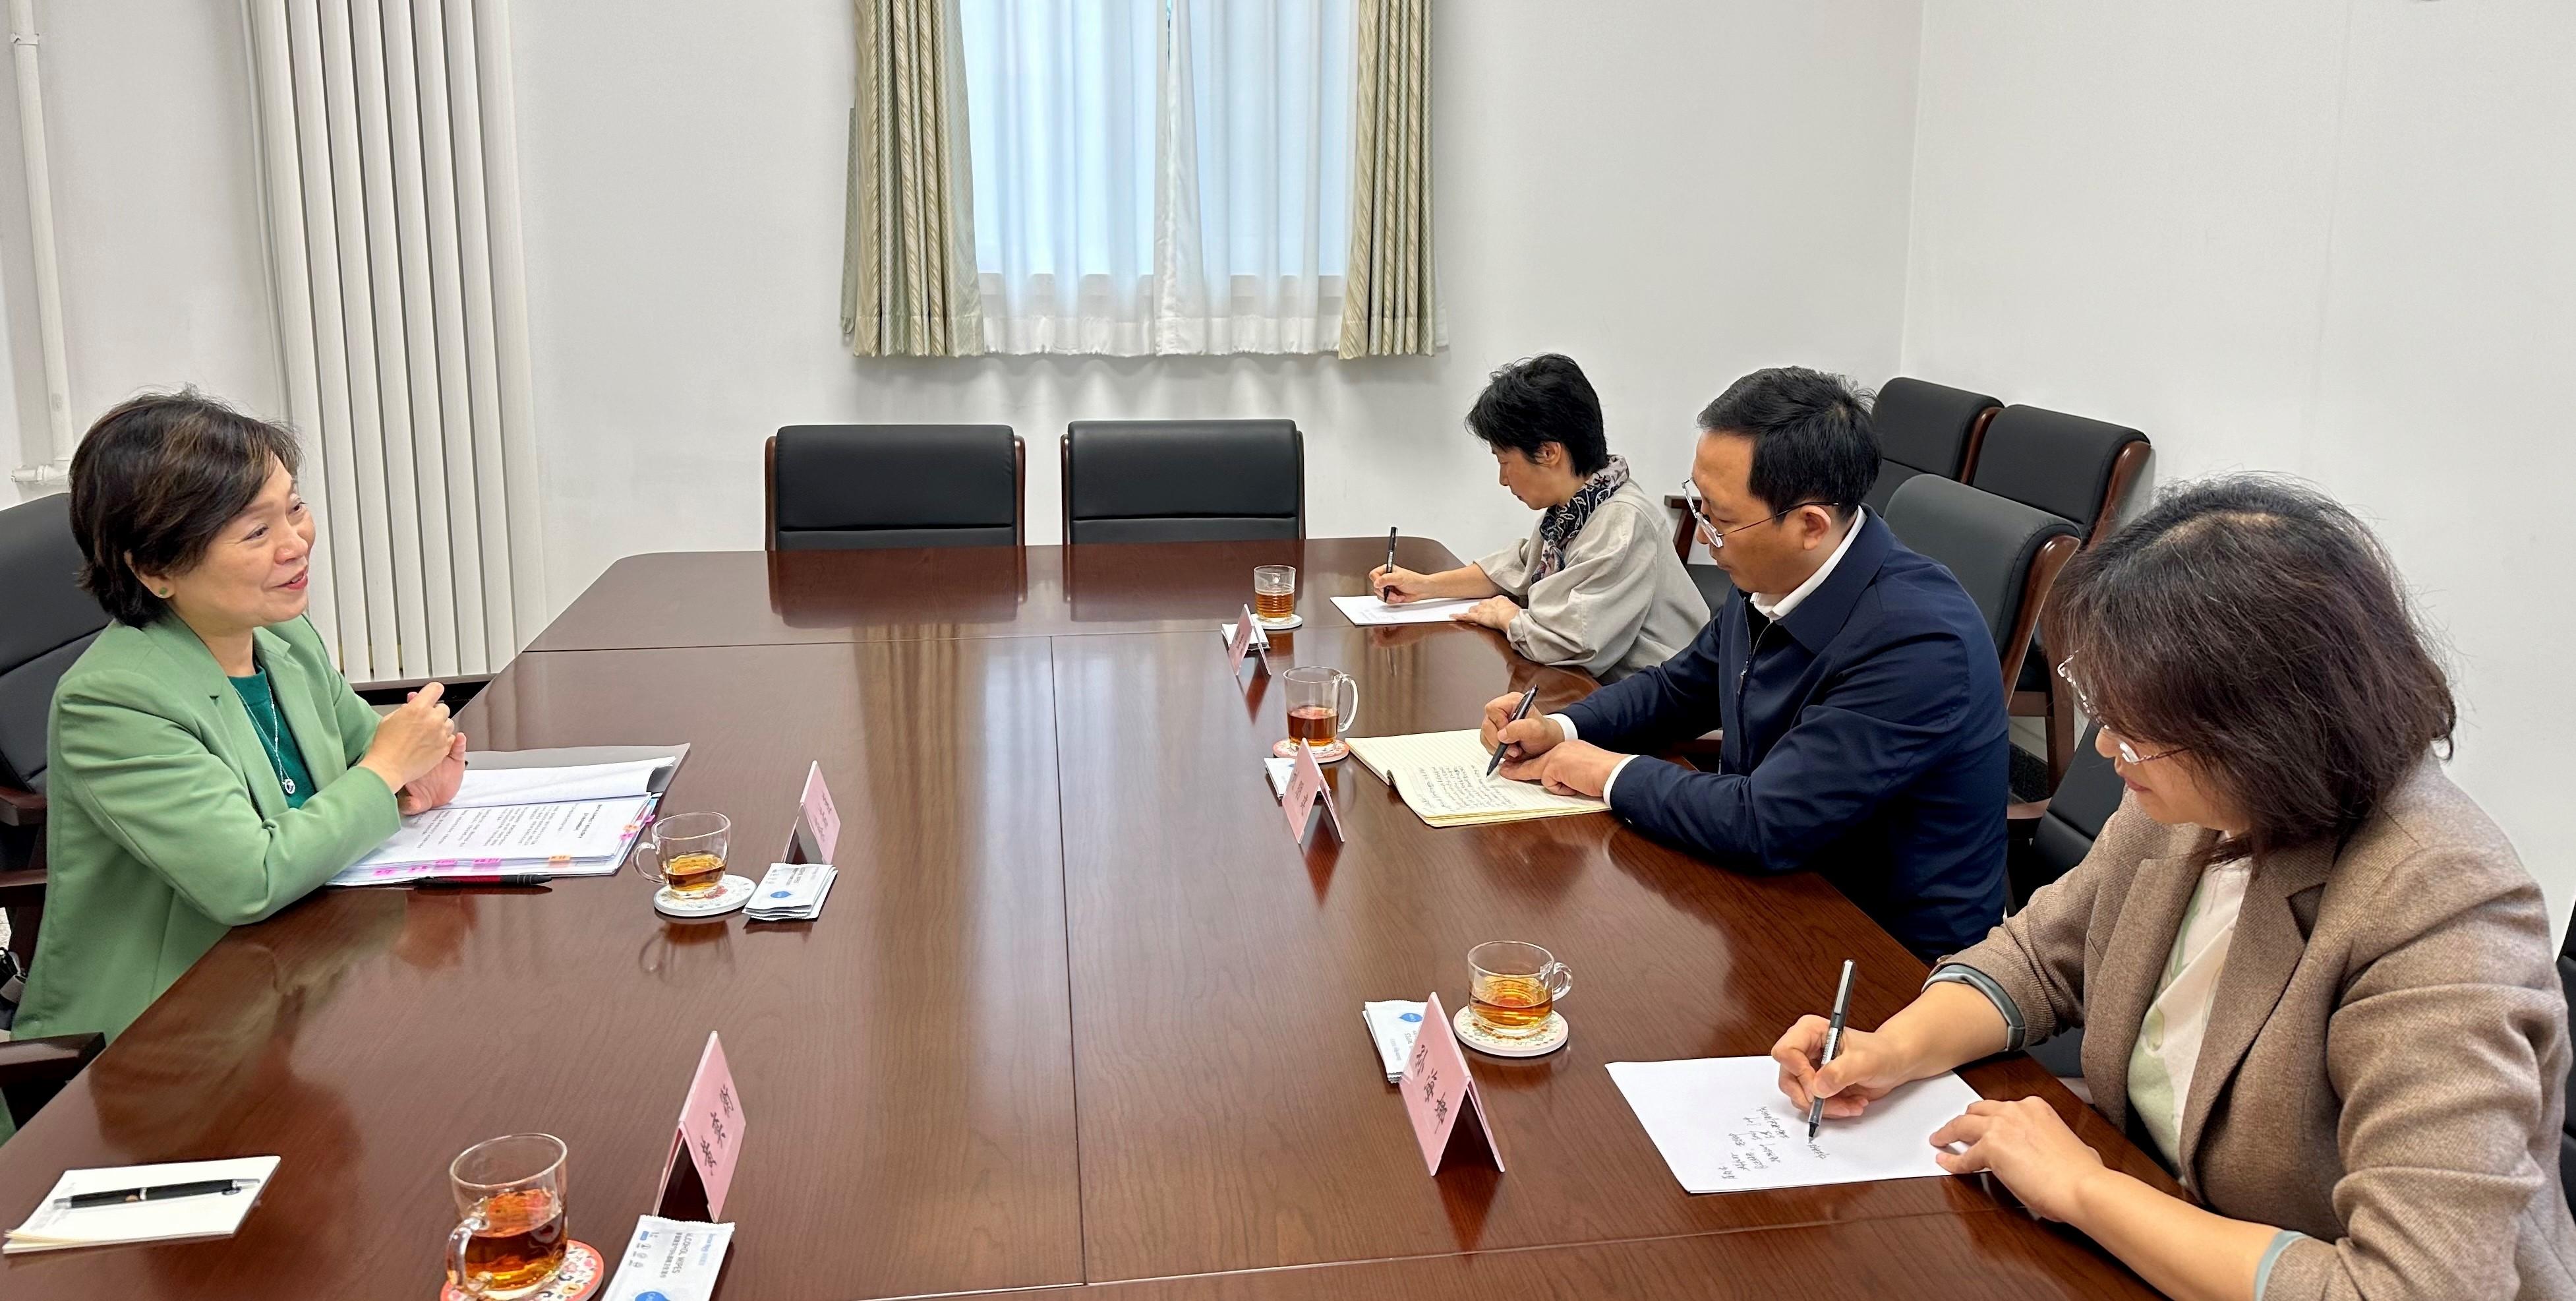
(1160, 178)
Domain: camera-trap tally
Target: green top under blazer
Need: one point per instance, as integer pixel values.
(166, 825)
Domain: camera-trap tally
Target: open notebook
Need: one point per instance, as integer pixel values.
(1441, 776)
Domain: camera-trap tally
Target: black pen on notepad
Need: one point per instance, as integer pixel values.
(1833, 1044)
(152, 1193)
(1518, 713)
(1390, 561)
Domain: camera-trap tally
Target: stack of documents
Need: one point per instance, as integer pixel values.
(1441, 776)
(1392, 1026)
(1723, 1126)
(1370, 612)
(791, 892)
(567, 812)
(56, 1226)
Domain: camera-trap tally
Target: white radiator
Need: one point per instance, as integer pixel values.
(393, 221)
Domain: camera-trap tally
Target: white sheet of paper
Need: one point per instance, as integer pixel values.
(1723, 1126)
(53, 1228)
(513, 832)
(484, 787)
(1368, 611)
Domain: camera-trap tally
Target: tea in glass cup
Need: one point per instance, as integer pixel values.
(1274, 593)
(1315, 714)
(1515, 987)
(688, 853)
(513, 1235)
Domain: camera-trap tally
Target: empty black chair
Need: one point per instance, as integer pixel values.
(1925, 428)
(2567, 1135)
(2005, 554)
(1183, 480)
(852, 487)
(2065, 465)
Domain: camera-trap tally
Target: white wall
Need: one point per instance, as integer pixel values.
(2330, 237)
(156, 214)
(1672, 192)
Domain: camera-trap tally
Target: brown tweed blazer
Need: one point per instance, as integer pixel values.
(2386, 1065)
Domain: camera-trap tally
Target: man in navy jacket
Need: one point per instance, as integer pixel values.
(1855, 682)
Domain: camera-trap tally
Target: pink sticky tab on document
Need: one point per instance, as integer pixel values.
(818, 831)
(1306, 785)
(1440, 1095)
(710, 1136)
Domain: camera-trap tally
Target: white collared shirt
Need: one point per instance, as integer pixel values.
(1767, 607)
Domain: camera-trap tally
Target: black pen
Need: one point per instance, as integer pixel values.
(1517, 715)
(1833, 1044)
(486, 880)
(1390, 560)
(152, 1193)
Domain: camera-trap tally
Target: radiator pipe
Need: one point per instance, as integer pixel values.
(23, 41)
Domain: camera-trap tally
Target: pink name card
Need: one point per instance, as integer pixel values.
(1246, 635)
(818, 827)
(710, 1134)
(1306, 785)
(1440, 1096)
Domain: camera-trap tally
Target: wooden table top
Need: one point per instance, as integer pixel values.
(1078, 1011)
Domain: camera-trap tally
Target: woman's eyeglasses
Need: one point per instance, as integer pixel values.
(1714, 536)
(2128, 753)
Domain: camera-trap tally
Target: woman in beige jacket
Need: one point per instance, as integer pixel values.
(2314, 978)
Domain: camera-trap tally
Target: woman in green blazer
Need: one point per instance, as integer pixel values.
(208, 765)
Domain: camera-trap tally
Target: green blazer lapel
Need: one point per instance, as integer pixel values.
(297, 699)
(2261, 956)
(2133, 967)
(229, 734)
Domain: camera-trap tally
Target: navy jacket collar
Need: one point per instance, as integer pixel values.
(1823, 613)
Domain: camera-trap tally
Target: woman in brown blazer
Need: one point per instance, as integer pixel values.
(2314, 978)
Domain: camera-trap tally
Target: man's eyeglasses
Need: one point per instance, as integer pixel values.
(1714, 536)
(2128, 753)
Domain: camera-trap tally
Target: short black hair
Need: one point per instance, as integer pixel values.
(154, 481)
(2255, 622)
(1812, 436)
(1540, 400)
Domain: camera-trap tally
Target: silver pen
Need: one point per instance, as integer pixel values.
(1833, 1045)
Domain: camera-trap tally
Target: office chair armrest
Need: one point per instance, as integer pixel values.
(458, 689)
(21, 808)
(2022, 813)
(23, 887)
(51, 1061)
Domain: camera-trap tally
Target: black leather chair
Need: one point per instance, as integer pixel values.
(2567, 1134)
(2007, 555)
(1925, 428)
(1183, 480)
(49, 622)
(853, 487)
(2071, 466)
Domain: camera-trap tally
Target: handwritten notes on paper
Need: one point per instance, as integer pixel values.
(1723, 1126)
(1441, 776)
(1440, 1095)
(1370, 612)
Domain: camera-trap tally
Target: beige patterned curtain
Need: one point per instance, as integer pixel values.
(1390, 293)
(908, 256)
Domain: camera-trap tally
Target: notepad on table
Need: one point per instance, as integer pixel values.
(55, 1227)
(1368, 611)
(1441, 776)
(1723, 1126)
(575, 811)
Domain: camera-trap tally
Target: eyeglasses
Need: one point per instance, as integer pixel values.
(1714, 536)
(2128, 753)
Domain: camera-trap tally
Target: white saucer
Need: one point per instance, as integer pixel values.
(1472, 1033)
(729, 894)
(1292, 621)
(1334, 753)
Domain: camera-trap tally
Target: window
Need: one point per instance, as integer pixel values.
(1159, 176)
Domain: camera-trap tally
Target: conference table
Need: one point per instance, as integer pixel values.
(1079, 1012)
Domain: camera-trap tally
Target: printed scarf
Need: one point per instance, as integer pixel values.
(1557, 528)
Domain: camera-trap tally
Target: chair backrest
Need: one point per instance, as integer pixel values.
(853, 487)
(1925, 428)
(1183, 480)
(2567, 1135)
(2086, 797)
(2065, 465)
(49, 622)
(2004, 553)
